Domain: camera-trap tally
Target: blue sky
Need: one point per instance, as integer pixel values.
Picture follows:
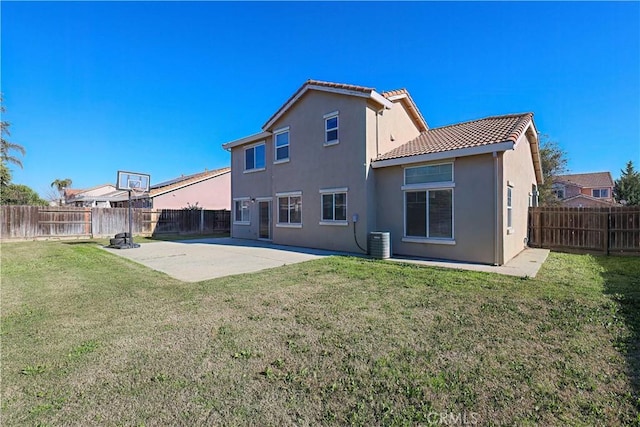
(157, 87)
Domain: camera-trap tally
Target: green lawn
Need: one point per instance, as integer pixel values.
(90, 338)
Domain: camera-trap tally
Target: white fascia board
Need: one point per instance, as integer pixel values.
(461, 152)
(396, 97)
(381, 100)
(373, 95)
(246, 140)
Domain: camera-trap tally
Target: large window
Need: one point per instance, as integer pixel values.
(241, 209)
(290, 209)
(600, 192)
(331, 128)
(254, 158)
(429, 214)
(429, 202)
(282, 145)
(334, 206)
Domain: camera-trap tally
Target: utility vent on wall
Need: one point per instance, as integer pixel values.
(380, 244)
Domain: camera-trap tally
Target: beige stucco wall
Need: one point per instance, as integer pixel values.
(518, 172)
(395, 128)
(249, 185)
(312, 166)
(214, 193)
(474, 219)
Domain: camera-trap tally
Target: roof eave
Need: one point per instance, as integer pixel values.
(246, 140)
(371, 94)
(413, 110)
(460, 152)
(186, 184)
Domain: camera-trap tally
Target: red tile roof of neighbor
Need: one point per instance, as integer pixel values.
(586, 180)
(475, 133)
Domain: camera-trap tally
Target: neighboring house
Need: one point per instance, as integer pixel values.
(94, 197)
(338, 161)
(208, 190)
(584, 190)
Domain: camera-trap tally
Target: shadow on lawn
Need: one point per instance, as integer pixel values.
(622, 281)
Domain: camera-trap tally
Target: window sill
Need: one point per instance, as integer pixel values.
(277, 162)
(284, 225)
(428, 241)
(330, 143)
(510, 230)
(429, 186)
(338, 223)
(241, 223)
(253, 170)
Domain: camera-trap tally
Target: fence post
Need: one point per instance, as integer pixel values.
(608, 235)
(201, 220)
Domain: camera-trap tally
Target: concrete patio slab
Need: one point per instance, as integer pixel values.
(203, 259)
(526, 263)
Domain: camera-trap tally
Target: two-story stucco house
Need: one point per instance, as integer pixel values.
(338, 161)
(584, 190)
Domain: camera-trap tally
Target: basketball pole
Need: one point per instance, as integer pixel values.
(130, 222)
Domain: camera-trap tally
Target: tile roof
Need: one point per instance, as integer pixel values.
(475, 133)
(187, 180)
(603, 201)
(586, 180)
(411, 106)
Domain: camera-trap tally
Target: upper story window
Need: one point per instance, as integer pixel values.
(254, 158)
(281, 138)
(331, 128)
(600, 192)
(429, 174)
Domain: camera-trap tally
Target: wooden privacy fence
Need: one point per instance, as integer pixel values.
(31, 222)
(614, 230)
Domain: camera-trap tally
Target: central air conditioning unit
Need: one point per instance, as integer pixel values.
(380, 244)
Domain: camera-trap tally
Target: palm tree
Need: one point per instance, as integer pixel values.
(61, 185)
(6, 147)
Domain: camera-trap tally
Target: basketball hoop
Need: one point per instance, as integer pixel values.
(136, 184)
(137, 190)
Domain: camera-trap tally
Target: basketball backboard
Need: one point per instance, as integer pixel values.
(133, 181)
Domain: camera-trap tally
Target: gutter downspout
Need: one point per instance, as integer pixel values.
(496, 210)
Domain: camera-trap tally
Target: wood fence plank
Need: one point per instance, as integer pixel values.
(31, 222)
(615, 230)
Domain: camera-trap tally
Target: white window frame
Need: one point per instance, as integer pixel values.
(429, 184)
(245, 221)
(275, 146)
(334, 191)
(433, 240)
(288, 224)
(244, 157)
(509, 209)
(327, 117)
(600, 190)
